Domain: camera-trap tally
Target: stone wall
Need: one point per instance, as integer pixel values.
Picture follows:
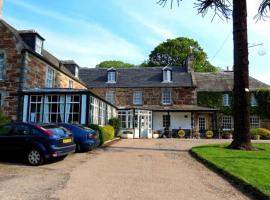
(151, 96)
(10, 84)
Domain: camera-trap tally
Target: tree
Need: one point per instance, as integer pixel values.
(114, 63)
(223, 8)
(174, 52)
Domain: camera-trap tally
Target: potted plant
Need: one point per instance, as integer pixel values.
(227, 135)
(127, 135)
(209, 134)
(181, 133)
(156, 134)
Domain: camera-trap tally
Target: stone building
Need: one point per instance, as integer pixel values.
(152, 99)
(38, 87)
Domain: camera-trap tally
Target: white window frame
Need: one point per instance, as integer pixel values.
(109, 96)
(126, 119)
(202, 123)
(37, 115)
(137, 98)
(50, 78)
(227, 122)
(167, 75)
(70, 84)
(38, 45)
(166, 120)
(111, 76)
(255, 121)
(253, 101)
(94, 110)
(166, 96)
(2, 66)
(72, 103)
(226, 100)
(76, 72)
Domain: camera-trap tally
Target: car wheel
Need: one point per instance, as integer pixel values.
(34, 157)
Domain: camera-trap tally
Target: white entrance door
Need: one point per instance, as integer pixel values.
(143, 126)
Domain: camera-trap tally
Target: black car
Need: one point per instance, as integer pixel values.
(36, 142)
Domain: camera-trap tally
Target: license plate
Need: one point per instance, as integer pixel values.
(69, 140)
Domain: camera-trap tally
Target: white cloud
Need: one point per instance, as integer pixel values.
(91, 44)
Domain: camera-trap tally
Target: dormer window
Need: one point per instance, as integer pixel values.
(167, 74)
(38, 45)
(111, 75)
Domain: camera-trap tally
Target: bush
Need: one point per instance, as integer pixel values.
(209, 134)
(115, 123)
(94, 127)
(181, 133)
(226, 135)
(262, 132)
(3, 118)
(106, 133)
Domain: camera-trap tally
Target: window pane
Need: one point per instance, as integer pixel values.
(166, 96)
(137, 98)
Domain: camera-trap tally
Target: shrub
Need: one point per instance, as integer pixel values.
(226, 134)
(94, 127)
(115, 123)
(107, 133)
(3, 118)
(181, 133)
(209, 134)
(264, 133)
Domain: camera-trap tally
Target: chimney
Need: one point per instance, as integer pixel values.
(189, 61)
(1, 9)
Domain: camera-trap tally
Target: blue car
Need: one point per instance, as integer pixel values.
(85, 138)
(35, 142)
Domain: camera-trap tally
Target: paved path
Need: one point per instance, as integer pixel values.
(146, 170)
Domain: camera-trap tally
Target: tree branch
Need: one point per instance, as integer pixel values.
(264, 10)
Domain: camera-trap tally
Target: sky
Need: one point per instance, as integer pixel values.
(93, 31)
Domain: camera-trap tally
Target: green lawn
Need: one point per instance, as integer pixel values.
(252, 167)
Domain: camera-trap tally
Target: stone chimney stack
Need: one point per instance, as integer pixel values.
(189, 61)
(1, 9)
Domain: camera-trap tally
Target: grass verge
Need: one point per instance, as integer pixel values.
(248, 169)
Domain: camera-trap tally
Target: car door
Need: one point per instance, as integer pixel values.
(20, 137)
(5, 131)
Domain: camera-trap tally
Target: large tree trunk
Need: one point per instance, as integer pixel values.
(241, 136)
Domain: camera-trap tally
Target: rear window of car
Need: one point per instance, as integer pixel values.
(56, 130)
(84, 128)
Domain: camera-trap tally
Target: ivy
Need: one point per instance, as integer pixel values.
(215, 100)
(263, 101)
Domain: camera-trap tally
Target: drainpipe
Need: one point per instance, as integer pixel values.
(22, 82)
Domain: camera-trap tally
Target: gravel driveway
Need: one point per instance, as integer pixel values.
(146, 170)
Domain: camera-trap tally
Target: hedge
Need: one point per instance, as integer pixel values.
(262, 132)
(106, 133)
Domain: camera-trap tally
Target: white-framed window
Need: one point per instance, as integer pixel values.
(126, 118)
(109, 96)
(253, 100)
(54, 109)
(255, 122)
(226, 100)
(2, 66)
(36, 108)
(167, 75)
(202, 123)
(94, 111)
(72, 114)
(166, 96)
(70, 84)
(102, 113)
(38, 46)
(50, 78)
(227, 122)
(137, 98)
(166, 120)
(111, 76)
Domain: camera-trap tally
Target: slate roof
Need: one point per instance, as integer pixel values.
(222, 81)
(136, 77)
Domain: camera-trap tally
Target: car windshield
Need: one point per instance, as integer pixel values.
(56, 130)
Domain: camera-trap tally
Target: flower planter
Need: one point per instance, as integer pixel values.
(155, 135)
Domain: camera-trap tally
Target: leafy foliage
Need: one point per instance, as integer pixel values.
(174, 52)
(115, 123)
(263, 100)
(107, 133)
(114, 63)
(3, 118)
